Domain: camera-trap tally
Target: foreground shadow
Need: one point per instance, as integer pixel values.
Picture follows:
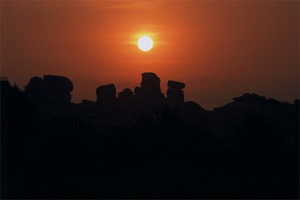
(141, 144)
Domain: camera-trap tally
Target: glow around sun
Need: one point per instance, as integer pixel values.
(145, 43)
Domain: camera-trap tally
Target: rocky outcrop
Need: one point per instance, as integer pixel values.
(52, 90)
(175, 95)
(106, 94)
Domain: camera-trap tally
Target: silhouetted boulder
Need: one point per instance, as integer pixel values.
(58, 84)
(150, 81)
(57, 90)
(36, 84)
(137, 90)
(175, 94)
(106, 94)
(52, 90)
(125, 95)
(176, 85)
(150, 91)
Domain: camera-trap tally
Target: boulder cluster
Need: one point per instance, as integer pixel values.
(52, 90)
(149, 92)
(55, 90)
(126, 108)
(106, 94)
(148, 103)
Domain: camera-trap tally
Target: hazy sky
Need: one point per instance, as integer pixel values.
(220, 49)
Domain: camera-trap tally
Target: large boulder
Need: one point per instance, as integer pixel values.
(106, 94)
(58, 84)
(137, 90)
(126, 95)
(176, 85)
(150, 81)
(52, 90)
(149, 91)
(36, 84)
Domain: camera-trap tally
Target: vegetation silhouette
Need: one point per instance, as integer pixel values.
(142, 144)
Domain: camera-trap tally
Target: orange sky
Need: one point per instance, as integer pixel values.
(220, 49)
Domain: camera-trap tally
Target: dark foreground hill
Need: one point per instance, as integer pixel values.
(142, 144)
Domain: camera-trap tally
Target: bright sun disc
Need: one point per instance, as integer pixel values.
(145, 43)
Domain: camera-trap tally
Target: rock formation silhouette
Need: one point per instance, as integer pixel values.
(142, 145)
(150, 82)
(53, 90)
(174, 93)
(126, 95)
(150, 89)
(106, 94)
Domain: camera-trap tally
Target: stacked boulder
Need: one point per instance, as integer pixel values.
(52, 90)
(175, 96)
(106, 94)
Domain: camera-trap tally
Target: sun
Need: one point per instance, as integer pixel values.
(145, 43)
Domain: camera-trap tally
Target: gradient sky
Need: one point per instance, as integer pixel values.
(220, 49)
